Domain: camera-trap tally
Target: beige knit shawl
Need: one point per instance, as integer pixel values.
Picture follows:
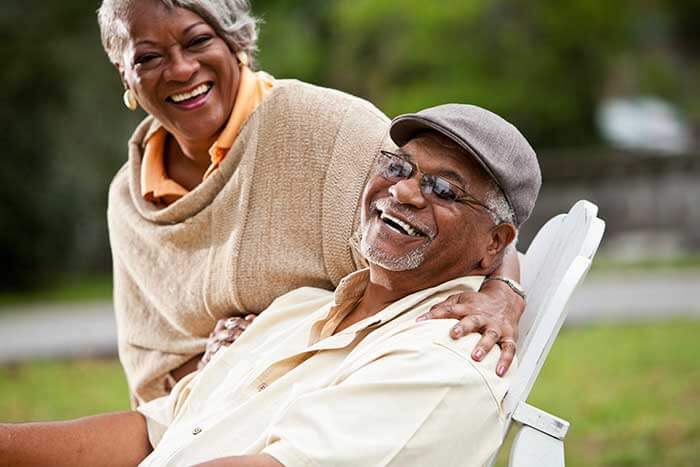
(276, 216)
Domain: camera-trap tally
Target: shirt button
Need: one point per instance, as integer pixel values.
(197, 430)
(262, 387)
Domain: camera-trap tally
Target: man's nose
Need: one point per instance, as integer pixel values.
(408, 192)
(181, 67)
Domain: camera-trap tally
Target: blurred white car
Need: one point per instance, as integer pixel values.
(644, 123)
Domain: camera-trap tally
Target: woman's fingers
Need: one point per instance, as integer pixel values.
(488, 339)
(225, 333)
(489, 316)
(508, 348)
(443, 310)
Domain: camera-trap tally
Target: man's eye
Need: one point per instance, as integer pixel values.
(443, 190)
(397, 169)
(394, 169)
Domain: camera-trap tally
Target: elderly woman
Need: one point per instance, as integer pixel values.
(238, 188)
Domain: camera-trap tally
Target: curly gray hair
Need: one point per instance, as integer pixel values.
(231, 19)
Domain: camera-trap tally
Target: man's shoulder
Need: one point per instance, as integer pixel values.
(430, 342)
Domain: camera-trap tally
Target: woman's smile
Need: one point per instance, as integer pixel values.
(194, 99)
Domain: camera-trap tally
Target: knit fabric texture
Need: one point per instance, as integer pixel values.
(277, 215)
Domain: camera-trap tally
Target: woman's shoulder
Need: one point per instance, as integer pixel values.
(297, 92)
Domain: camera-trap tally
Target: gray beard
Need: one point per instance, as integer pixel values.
(411, 260)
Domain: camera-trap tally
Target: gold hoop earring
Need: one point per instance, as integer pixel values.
(130, 100)
(242, 58)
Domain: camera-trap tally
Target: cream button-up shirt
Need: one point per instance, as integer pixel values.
(385, 391)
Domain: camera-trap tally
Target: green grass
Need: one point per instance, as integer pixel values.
(631, 392)
(606, 265)
(61, 390)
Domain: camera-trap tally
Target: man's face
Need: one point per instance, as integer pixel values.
(404, 228)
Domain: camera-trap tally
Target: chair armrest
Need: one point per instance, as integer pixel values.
(527, 415)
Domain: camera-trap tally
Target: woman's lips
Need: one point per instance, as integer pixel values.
(194, 102)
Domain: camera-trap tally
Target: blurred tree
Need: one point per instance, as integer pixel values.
(63, 136)
(544, 64)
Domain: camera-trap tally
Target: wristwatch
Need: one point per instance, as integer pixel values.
(514, 285)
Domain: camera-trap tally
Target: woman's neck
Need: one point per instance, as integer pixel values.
(197, 152)
(186, 164)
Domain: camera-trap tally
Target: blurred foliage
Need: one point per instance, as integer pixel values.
(543, 64)
(63, 289)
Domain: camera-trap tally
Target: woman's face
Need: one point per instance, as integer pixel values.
(181, 71)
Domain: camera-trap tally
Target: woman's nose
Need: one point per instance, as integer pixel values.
(409, 192)
(181, 67)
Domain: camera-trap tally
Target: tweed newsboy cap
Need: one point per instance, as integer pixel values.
(499, 147)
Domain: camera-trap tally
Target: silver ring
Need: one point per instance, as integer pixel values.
(508, 341)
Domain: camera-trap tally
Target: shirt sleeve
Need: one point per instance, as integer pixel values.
(410, 406)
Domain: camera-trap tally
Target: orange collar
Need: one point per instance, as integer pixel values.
(157, 186)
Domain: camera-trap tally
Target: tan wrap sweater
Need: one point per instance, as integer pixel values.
(277, 215)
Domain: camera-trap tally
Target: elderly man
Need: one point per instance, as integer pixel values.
(350, 378)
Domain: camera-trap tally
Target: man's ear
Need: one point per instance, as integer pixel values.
(500, 237)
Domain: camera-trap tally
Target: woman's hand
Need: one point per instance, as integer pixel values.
(225, 333)
(494, 312)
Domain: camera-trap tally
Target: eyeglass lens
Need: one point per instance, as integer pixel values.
(394, 167)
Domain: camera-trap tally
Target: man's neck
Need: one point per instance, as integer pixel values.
(386, 287)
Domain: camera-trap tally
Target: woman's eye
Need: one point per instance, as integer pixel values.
(145, 59)
(200, 40)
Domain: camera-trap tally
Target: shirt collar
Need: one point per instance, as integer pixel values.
(352, 287)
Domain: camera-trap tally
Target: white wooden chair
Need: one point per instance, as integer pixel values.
(555, 264)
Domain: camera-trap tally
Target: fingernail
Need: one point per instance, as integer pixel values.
(478, 353)
(501, 370)
(422, 318)
(457, 331)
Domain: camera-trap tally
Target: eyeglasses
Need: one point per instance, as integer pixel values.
(395, 168)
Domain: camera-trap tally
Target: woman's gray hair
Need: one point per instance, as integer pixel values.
(231, 19)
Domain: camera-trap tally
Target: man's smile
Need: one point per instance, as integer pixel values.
(399, 225)
(401, 221)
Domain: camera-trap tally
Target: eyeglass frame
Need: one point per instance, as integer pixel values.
(467, 198)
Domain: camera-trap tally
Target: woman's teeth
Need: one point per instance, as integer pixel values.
(199, 90)
(398, 224)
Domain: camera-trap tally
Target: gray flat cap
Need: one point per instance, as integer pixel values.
(501, 149)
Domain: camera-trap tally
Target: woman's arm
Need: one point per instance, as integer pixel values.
(110, 439)
(186, 368)
(494, 312)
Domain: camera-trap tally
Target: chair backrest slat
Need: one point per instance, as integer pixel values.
(554, 265)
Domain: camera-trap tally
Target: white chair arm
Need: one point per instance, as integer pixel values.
(527, 415)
